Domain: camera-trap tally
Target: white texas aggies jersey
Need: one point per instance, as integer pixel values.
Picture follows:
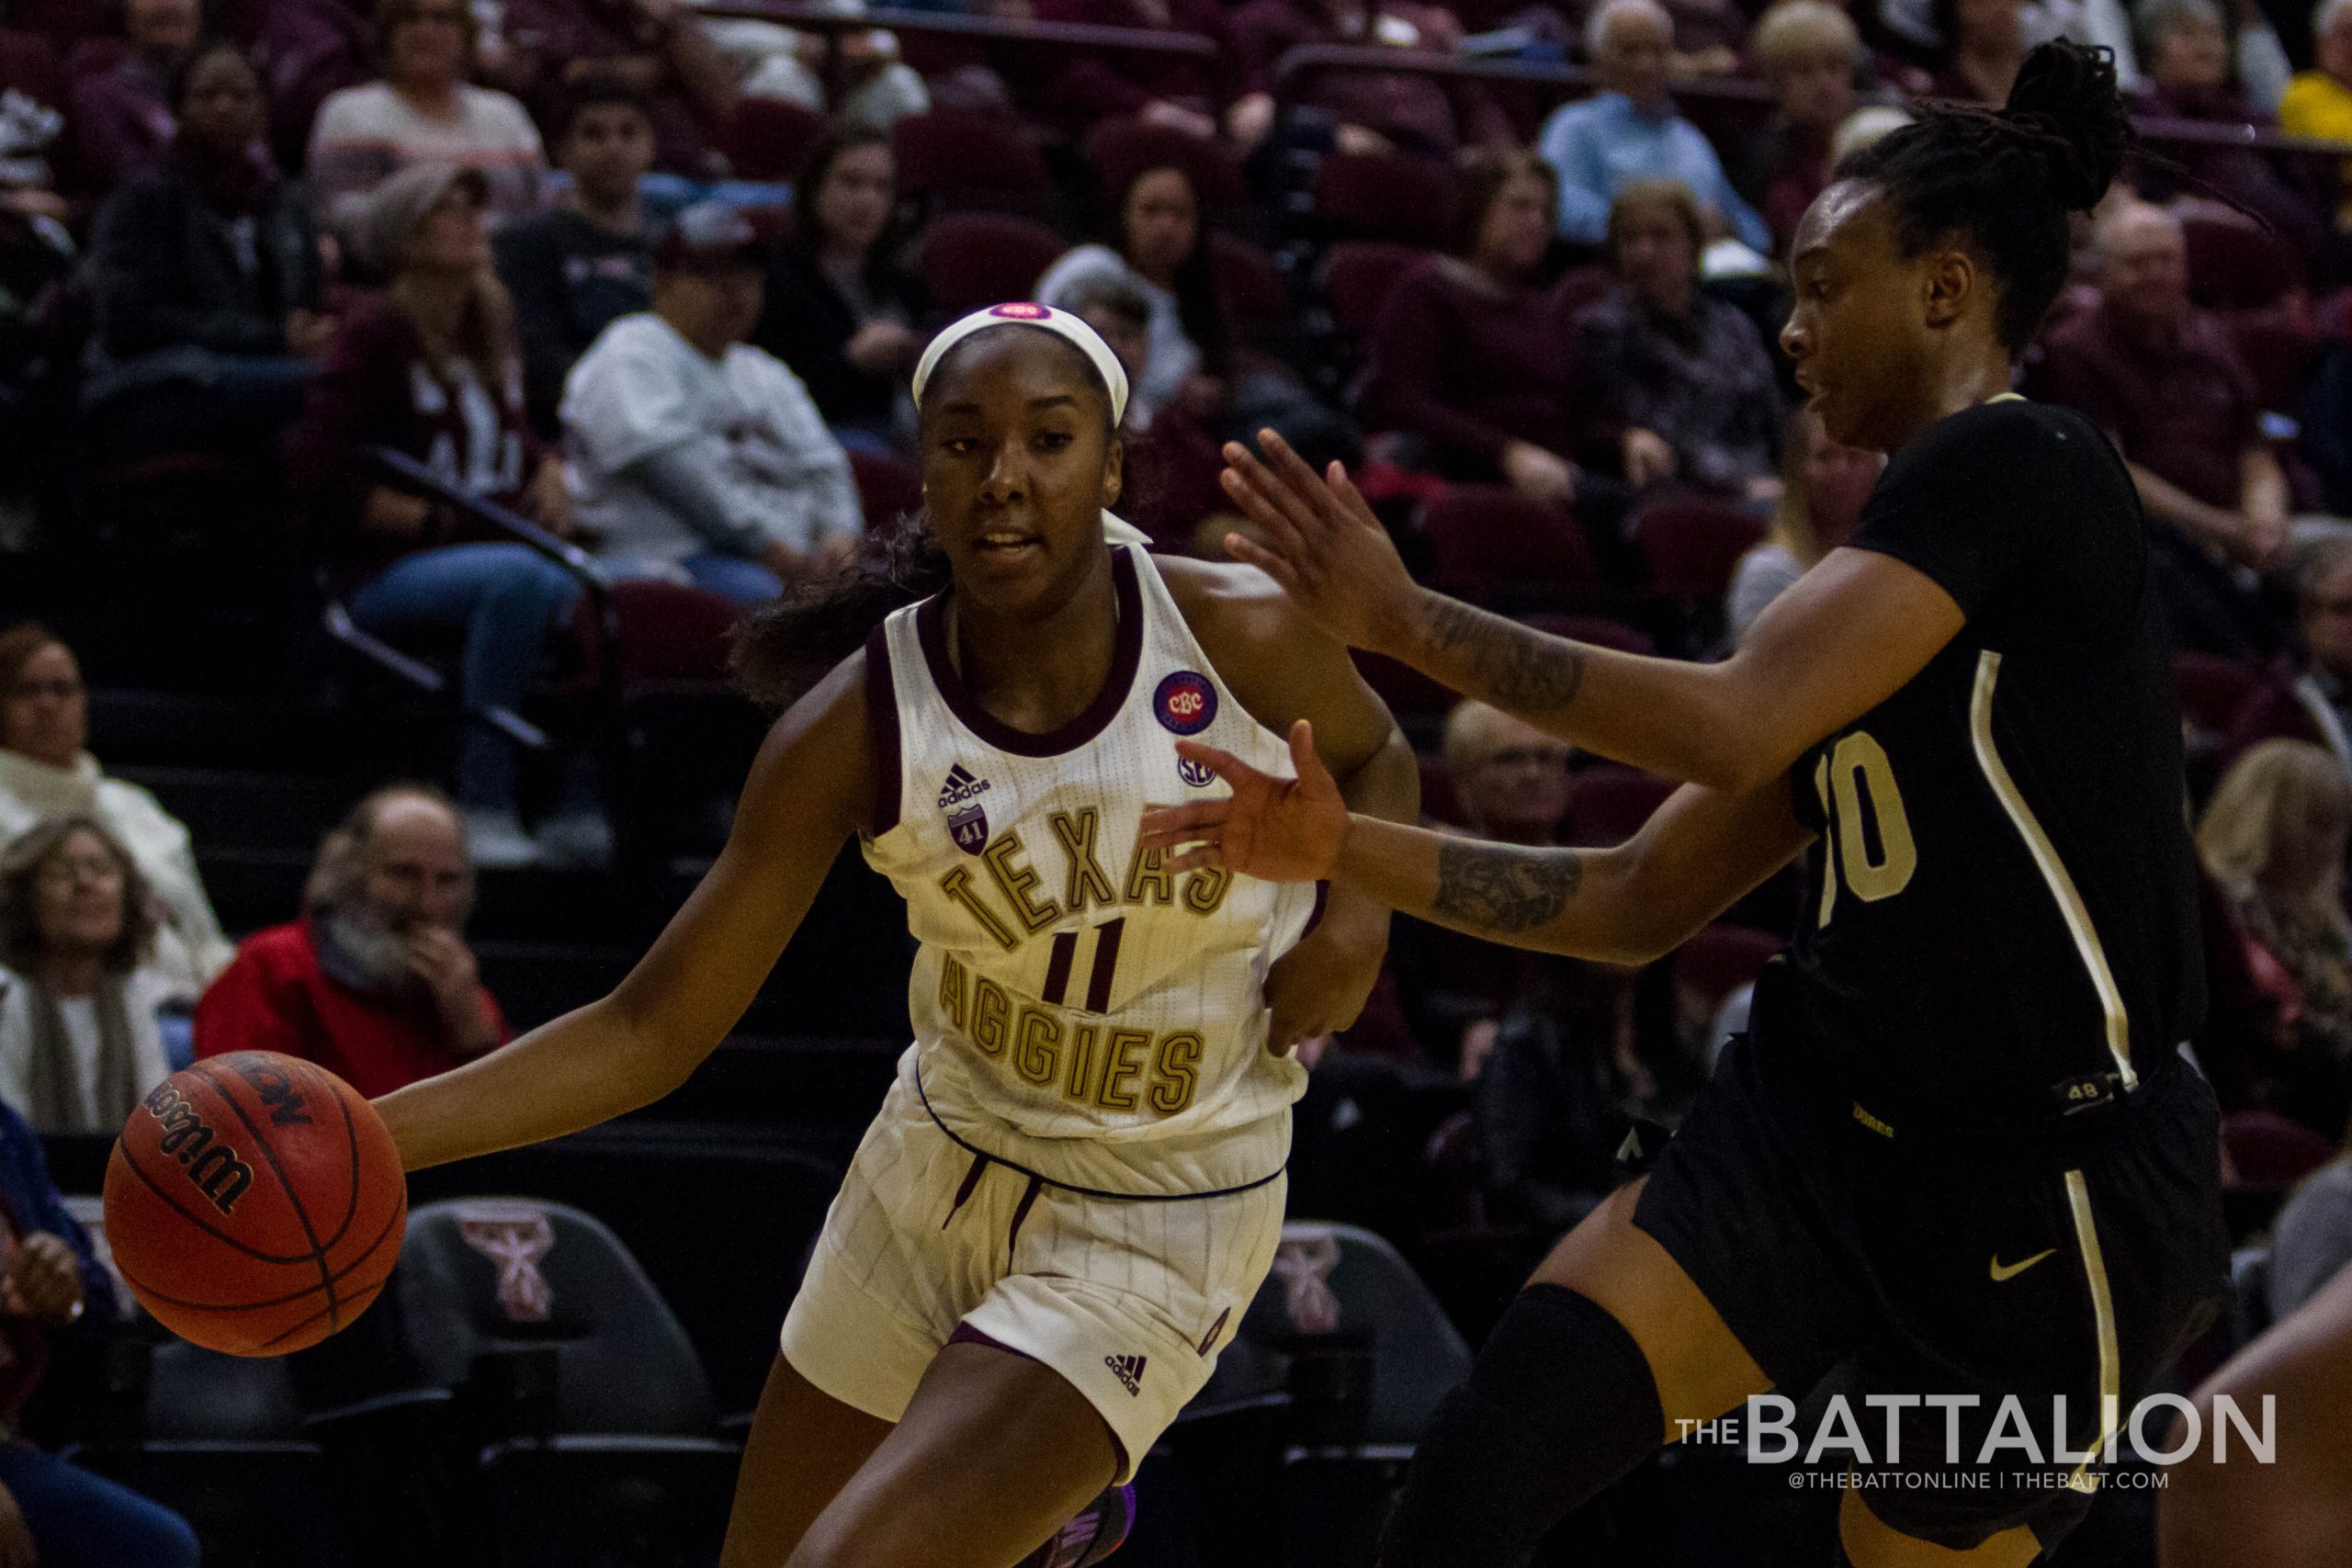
(1078, 1009)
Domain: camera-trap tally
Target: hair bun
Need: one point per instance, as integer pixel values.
(2065, 99)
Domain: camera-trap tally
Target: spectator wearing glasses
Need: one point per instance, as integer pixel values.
(47, 770)
(423, 111)
(1511, 784)
(80, 1042)
(373, 981)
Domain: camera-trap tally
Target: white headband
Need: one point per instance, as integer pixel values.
(1024, 314)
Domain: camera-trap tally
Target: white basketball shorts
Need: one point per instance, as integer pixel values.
(1129, 1301)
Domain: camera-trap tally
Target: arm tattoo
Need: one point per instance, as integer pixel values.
(1501, 888)
(1517, 668)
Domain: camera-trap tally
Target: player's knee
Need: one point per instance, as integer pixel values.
(1560, 1403)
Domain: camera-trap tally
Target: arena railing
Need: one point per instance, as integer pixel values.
(405, 473)
(833, 25)
(1560, 82)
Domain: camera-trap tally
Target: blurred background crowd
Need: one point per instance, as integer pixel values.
(402, 404)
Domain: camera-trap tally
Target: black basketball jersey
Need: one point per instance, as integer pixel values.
(2002, 923)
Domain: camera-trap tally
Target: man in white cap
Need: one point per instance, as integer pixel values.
(695, 456)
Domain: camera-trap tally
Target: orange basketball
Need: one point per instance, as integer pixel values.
(254, 1203)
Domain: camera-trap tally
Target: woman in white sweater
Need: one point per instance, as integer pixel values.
(45, 772)
(79, 1040)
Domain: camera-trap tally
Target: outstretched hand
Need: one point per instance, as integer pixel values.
(1321, 542)
(1278, 830)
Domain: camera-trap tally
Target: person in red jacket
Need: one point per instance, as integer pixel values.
(375, 981)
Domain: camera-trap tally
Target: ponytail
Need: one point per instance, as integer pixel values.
(2003, 182)
(783, 648)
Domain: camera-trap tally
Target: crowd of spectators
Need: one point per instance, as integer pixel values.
(552, 252)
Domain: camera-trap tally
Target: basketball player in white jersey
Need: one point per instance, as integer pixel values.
(1074, 1186)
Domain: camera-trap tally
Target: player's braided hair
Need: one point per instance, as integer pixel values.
(2002, 182)
(785, 647)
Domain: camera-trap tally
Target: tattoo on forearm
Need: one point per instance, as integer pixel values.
(1501, 888)
(1517, 668)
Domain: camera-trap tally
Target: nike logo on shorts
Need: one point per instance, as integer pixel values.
(2002, 1271)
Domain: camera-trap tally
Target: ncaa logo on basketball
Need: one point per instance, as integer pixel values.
(1184, 703)
(967, 820)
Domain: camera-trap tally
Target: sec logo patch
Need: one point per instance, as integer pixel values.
(1197, 775)
(1185, 702)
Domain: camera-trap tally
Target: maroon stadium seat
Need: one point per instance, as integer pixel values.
(1358, 275)
(64, 21)
(971, 259)
(1492, 544)
(28, 63)
(767, 138)
(671, 633)
(1408, 691)
(1608, 805)
(1385, 196)
(2213, 691)
(1578, 287)
(1255, 294)
(886, 488)
(2232, 264)
(1117, 150)
(2276, 347)
(959, 152)
(1437, 802)
(1722, 959)
(2335, 315)
(1692, 546)
(2270, 1153)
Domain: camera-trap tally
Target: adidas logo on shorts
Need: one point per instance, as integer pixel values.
(1128, 1370)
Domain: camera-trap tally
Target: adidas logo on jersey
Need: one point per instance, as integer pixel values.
(1128, 1370)
(967, 820)
(960, 787)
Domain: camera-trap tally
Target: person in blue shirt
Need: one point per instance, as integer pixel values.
(1630, 131)
(51, 1285)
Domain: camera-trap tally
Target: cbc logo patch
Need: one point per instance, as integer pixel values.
(1185, 702)
(1022, 311)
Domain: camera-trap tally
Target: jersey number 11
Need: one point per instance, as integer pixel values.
(1098, 979)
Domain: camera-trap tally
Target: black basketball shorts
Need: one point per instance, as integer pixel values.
(2075, 1265)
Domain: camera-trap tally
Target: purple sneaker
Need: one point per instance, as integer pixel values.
(1094, 1535)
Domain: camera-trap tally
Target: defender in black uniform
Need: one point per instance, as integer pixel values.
(1958, 1147)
